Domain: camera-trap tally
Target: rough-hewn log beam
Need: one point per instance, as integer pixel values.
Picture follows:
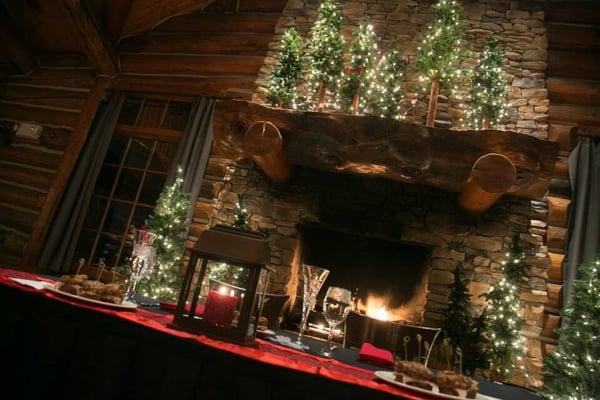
(64, 170)
(264, 143)
(146, 14)
(381, 147)
(94, 39)
(555, 271)
(492, 175)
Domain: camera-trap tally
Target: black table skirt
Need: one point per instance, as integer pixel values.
(53, 350)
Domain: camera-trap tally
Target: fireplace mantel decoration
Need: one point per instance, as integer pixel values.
(489, 162)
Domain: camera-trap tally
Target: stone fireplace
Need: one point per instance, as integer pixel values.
(342, 209)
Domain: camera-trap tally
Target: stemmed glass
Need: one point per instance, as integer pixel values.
(142, 260)
(314, 277)
(336, 307)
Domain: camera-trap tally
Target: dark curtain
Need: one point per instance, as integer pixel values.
(194, 149)
(583, 239)
(61, 240)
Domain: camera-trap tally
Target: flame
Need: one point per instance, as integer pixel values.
(378, 307)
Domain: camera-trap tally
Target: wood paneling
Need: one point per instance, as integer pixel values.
(215, 22)
(30, 155)
(558, 208)
(555, 238)
(572, 64)
(16, 219)
(573, 91)
(576, 114)
(80, 78)
(193, 43)
(563, 36)
(25, 198)
(576, 12)
(217, 86)
(43, 96)
(26, 176)
(24, 112)
(191, 65)
(555, 271)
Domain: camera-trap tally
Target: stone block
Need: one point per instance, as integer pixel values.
(482, 243)
(441, 277)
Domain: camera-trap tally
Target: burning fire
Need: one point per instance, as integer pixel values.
(378, 307)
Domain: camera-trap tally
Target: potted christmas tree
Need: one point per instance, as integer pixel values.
(324, 56)
(281, 90)
(439, 57)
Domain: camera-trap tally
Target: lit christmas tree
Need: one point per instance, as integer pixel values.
(325, 51)
(439, 57)
(573, 369)
(281, 89)
(503, 324)
(384, 95)
(514, 268)
(168, 222)
(241, 215)
(353, 81)
(487, 103)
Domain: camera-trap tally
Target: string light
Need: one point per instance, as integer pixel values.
(281, 88)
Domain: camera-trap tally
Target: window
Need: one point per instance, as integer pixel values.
(132, 176)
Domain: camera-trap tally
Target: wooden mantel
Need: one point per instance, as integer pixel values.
(380, 147)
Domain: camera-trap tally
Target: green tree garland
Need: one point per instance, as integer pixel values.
(325, 51)
(573, 369)
(384, 95)
(353, 81)
(487, 103)
(284, 78)
(168, 222)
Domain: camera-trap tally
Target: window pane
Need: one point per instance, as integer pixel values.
(84, 246)
(162, 157)
(140, 215)
(152, 112)
(116, 149)
(95, 212)
(139, 152)
(116, 218)
(153, 185)
(107, 247)
(128, 184)
(105, 180)
(177, 115)
(129, 111)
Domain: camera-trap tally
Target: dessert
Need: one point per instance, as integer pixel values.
(454, 384)
(81, 285)
(414, 374)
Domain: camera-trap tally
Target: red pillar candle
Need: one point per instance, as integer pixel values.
(220, 308)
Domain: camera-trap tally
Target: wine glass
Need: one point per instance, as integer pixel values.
(336, 307)
(313, 277)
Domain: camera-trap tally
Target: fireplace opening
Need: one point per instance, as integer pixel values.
(388, 277)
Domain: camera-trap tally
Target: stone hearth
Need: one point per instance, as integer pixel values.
(391, 211)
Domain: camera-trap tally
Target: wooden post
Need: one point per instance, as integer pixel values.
(433, 99)
(485, 123)
(492, 175)
(264, 143)
(355, 103)
(321, 97)
(64, 170)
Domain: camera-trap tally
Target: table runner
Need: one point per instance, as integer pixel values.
(265, 352)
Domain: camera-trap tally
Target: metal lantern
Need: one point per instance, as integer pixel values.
(224, 285)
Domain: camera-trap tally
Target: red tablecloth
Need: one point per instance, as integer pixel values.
(266, 352)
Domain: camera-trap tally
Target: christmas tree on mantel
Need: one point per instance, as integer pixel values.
(573, 369)
(281, 89)
(168, 222)
(353, 85)
(325, 52)
(439, 57)
(486, 103)
(384, 95)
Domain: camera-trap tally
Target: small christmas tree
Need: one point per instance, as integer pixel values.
(353, 82)
(503, 324)
(439, 57)
(514, 266)
(281, 90)
(474, 354)
(325, 51)
(168, 222)
(241, 215)
(573, 369)
(458, 314)
(486, 103)
(384, 95)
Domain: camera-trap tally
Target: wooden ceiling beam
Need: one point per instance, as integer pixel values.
(116, 15)
(146, 14)
(14, 51)
(94, 39)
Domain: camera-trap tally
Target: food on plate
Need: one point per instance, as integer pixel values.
(455, 384)
(414, 374)
(81, 285)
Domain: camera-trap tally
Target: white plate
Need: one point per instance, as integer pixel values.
(126, 305)
(389, 376)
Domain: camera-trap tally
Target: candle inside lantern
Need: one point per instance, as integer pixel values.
(220, 307)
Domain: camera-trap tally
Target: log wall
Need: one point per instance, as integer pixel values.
(52, 96)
